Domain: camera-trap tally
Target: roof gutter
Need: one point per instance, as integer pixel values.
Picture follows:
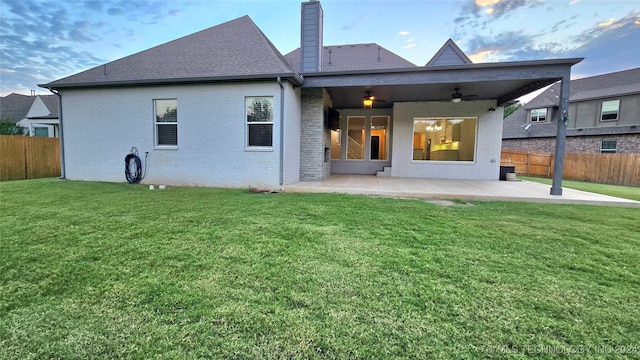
(294, 78)
(60, 134)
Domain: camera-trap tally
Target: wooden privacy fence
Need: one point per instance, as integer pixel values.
(528, 163)
(24, 157)
(617, 169)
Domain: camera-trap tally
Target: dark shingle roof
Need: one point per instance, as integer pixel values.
(619, 83)
(14, 107)
(235, 49)
(353, 57)
(595, 87)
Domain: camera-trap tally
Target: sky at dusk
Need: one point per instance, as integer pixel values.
(41, 41)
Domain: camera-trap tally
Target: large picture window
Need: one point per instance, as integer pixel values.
(259, 121)
(166, 120)
(444, 139)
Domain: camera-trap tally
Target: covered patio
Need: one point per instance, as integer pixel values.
(487, 190)
(440, 121)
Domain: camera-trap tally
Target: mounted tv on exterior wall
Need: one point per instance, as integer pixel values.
(332, 118)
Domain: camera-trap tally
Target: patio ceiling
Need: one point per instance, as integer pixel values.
(503, 82)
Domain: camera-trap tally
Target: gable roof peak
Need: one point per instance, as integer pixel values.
(449, 54)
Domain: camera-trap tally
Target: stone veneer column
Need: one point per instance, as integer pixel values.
(314, 136)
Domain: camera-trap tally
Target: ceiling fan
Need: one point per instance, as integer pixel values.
(457, 96)
(368, 100)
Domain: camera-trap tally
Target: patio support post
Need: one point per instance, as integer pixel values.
(561, 135)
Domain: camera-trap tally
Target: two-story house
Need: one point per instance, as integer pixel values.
(604, 117)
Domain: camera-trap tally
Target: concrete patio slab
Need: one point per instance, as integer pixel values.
(454, 189)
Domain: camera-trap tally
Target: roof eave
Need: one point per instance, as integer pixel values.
(293, 78)
(575, 132)
(567, 61)
(588, 98)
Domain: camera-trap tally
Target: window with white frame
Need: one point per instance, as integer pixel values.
(166, 122)
(608, 146)
(444, 139)
(609, 110)
(539, 115)
(259, 121)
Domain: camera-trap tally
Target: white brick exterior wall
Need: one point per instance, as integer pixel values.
(101, 125)
(487, 159)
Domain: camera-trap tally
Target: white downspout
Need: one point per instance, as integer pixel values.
(60, 133)
(281, 133)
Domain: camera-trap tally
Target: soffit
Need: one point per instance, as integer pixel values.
(503, 82)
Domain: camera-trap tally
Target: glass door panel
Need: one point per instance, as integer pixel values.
(379, 138)
(355, 137)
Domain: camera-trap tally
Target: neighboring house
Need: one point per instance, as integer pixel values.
(604, 117)
(14, 107)
(36, 113)
(223, 107)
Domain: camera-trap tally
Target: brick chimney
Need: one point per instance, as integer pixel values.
(311, 37)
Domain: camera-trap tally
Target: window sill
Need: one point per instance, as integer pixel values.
(165, 147)
(258, 149)
(443, 162)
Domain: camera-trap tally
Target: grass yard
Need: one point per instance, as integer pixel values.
(100, 270)
(625, 192)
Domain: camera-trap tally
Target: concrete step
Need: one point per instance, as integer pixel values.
(386, 172)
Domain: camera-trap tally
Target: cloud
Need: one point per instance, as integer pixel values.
(495, 8)
(43, 41)
(557, 25)
(404, 33)
(607, 23)
(348, 26)
(484, 56)
(596, 45)
(408, 46)
(115, 11)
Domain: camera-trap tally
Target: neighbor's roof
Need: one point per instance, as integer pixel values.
(235, 50)
(353, 57)
(595, 87)
(14, 107)
(604, 86)
(51, 102)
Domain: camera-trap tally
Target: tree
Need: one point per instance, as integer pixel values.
(512, 108)
(9, 128)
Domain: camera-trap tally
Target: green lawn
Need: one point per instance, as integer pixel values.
(98, 270)
(626, 192)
